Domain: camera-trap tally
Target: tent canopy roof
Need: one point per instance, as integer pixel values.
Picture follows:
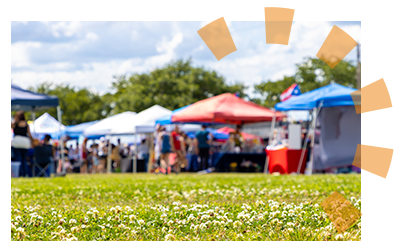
(75, 130)
(104, 126)
(27, 100)
(225, 108)
(167, 119)
(331, 95)
(143, 122)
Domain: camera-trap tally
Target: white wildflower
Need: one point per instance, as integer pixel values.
(339, 237)
(237, 224)
(169, 237)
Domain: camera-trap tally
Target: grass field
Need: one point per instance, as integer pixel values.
(179, 207)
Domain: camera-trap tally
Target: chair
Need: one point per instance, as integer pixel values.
(42, 161)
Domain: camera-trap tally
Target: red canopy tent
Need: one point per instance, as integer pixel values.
(225, 108)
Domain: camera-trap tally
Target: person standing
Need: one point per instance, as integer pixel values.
(238, 137)
(203, 146)
(102, 152)
(157, 145)
(95, 157)
(84, 155)
(165, 144)
(22, 141)
(68, 166)
(143, 153)
(178, 147)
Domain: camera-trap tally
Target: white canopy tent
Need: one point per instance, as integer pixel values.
(105, 126)
(46, 124)
(143, 122)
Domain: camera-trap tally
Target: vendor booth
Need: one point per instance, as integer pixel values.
(336, 129)
(229, 109)
(143, 123)
(22, 99)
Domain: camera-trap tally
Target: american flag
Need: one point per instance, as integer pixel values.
(291, 91)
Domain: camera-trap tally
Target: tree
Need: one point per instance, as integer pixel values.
(173, 86)
(310, 74)
(78, 105)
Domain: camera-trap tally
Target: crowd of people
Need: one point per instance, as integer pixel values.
(34, 155)
(81, 158)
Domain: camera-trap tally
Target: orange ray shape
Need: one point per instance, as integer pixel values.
(218, 39)
(372, 97)
(356, 96)
(278, 23)
(336, 46)
(375, 160)
(340, 211)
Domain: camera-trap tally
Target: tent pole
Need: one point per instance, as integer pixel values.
(313, 136)
(134, 170)
(109, 155)
(61, 139)
(33, 115)
(303, 150)
(269, 141)
(272, 128)
(150, 144)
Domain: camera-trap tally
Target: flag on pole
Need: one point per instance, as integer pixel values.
(291, 91)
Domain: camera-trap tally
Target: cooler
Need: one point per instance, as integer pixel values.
(285, 161)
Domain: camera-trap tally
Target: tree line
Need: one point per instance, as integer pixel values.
(178, 84)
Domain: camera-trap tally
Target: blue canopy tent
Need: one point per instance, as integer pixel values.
(331, 95)
(22, 99)
(336, 125)
(75, 131)
(167, 119)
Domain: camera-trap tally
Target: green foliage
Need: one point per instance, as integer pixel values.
(173, 86)
(178, 84)
(78, 104)
(311, 74)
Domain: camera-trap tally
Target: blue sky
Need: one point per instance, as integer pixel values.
(89, 54)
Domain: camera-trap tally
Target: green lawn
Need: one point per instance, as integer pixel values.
(179, 207)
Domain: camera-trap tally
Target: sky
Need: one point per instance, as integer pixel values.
(89, 54)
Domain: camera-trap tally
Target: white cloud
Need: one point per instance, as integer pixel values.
(66, 29)
(94, 56)
(20, 53)
(91, 36)
(169, 46)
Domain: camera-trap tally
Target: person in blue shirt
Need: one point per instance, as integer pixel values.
(203, 139)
